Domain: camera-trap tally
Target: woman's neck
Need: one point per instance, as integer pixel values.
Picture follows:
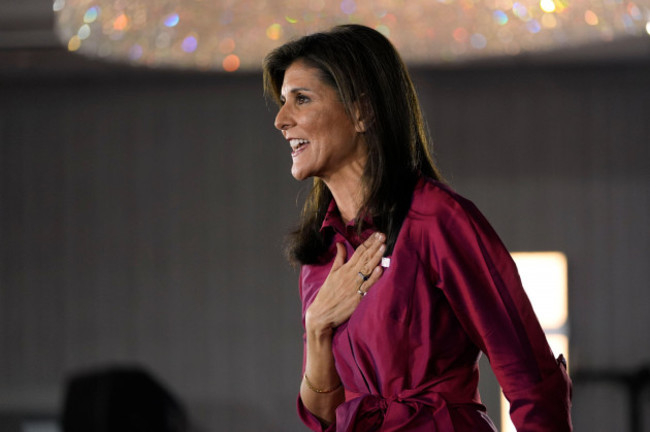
(348, 192)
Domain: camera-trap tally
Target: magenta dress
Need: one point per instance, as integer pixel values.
(408, 355)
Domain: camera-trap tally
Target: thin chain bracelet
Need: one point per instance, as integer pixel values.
(314, 389)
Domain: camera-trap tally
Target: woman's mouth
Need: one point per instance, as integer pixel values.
(297, 146)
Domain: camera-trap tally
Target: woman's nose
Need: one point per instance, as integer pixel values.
(283, 119)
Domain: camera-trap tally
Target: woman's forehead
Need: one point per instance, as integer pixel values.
(300, 76)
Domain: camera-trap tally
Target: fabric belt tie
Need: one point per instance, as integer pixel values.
(404, 411)
(373, 412)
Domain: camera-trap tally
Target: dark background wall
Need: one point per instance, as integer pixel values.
(142, 216)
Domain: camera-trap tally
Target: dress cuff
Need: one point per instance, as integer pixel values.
(545, 407)
(310, 420)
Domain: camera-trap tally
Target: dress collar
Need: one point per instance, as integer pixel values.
(334, 221)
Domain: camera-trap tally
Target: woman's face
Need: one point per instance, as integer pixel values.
(324, 141)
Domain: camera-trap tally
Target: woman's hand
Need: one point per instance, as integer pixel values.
(339, 296)
(346, 285)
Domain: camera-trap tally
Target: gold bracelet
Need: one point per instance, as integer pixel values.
(314, 389)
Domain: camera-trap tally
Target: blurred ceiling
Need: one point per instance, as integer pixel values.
(175, 34)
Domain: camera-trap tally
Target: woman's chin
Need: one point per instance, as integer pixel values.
(299, 174)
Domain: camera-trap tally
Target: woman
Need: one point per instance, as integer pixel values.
(403, 282)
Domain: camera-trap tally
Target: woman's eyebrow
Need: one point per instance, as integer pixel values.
(298, 89)
(295, 90)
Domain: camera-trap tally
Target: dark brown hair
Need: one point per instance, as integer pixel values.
(368, 74)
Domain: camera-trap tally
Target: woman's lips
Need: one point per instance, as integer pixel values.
(298, 145)
(299, 150)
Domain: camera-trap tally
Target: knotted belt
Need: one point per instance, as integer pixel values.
(424, 408)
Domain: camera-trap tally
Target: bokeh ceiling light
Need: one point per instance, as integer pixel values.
(235, 35)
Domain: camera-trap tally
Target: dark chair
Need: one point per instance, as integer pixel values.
(120, 399)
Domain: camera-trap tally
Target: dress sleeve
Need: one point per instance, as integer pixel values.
(481, 283)
(305, 415)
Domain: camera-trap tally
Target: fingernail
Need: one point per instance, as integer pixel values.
(382, 248)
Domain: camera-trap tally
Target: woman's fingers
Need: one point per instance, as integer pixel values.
(367, 262)
(376, 273)
(366, 285)
(347, 282)
(365, 257)
(371, 255)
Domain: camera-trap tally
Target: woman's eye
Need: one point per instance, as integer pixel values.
(301, 99)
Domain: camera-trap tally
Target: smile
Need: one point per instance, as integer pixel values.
(297, 146)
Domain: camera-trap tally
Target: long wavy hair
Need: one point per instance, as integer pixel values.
(369, 75)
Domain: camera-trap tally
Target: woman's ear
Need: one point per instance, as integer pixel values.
(363, 115)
